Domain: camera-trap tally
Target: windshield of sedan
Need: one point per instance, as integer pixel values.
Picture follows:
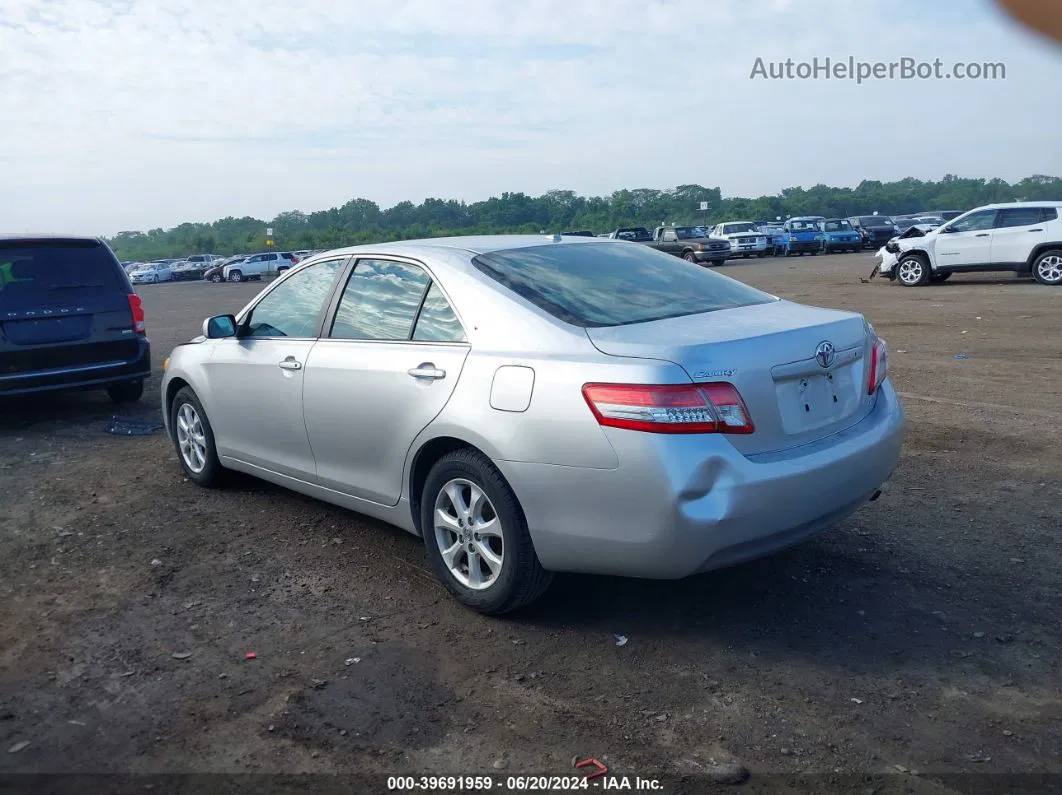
(733, 229)
(837, 226)
(606, 284)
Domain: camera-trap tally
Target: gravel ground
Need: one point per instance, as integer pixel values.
(914, 648)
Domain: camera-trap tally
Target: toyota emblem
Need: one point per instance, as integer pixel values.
(825, 354)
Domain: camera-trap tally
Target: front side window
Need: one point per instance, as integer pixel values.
(293, 307)
(975, 222)
(380, 301)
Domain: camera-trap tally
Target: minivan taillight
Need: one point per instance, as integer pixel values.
(669, 408)
(136, 306)
(879, 365)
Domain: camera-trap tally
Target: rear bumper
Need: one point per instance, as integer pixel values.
(684, 505)
(96, 375)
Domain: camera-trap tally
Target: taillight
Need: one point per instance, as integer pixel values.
(879, 365)
(136, 306)
(677, 408)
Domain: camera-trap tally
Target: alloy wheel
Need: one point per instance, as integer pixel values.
(1049, 268)
(469, 534)
(910, 271)
(190, 438)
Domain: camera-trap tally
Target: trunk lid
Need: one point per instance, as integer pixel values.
(769, 352)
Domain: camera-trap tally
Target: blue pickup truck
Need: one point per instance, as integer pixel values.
(802, 235)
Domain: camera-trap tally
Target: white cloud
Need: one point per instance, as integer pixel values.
(141, 113)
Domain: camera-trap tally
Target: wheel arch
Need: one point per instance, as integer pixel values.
(1039, 249)
(421, 463)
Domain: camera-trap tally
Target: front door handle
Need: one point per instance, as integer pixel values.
(1035, 230)
(289, 364)
(983, 234)
(427, 370)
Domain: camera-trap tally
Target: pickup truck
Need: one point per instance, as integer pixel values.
(687, 242)
(744, 237)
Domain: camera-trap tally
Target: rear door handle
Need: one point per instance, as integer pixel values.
(289, 364)
(983, 234)
(427, 370)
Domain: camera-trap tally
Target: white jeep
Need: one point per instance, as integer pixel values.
(1022, 237)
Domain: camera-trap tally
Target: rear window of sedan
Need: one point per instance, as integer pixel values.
(613, 284)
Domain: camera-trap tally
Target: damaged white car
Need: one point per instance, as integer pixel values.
(1022, 237)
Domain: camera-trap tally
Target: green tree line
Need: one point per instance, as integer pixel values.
(363, 221)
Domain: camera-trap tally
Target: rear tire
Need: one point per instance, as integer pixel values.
(1048, 268)
(912, 270)
(128, 392)
(190, 429)
(450, 520)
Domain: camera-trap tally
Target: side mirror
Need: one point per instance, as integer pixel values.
(219, 327)
(945, 230)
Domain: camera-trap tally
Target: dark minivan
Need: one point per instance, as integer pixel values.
(69, 319)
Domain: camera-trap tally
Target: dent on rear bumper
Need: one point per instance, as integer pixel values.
(677, 506)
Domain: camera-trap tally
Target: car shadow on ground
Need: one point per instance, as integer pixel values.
(851, 596)
(44, 410)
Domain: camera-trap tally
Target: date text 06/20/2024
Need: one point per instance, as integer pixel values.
(520, 783)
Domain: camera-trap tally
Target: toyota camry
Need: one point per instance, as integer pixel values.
(532, 405)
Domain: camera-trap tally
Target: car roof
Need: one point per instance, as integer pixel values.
(1018, 205)
(472, 244)
(46, 236)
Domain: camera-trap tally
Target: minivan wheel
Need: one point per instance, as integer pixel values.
(128, 392)
(912, 271)
(1048, 268)
(476, 536)
(194, 439)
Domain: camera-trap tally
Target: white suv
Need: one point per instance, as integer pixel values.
(1023, 237)
(258, 265)
(746, 239)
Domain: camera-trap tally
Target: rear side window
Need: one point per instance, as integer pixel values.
(1049, 214)
(1019, 216)
(613, 284)
(381, 301)
(45, 273)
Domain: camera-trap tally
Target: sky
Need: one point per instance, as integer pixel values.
(136, 114)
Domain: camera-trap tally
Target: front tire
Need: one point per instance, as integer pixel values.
(689, 257)
(216, 278)
(193, 438)
(912, 270)
(128, 392)
(1048, 268)
(235, 276)
(476, 536)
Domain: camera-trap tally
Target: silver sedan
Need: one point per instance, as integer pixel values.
(531, 405)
